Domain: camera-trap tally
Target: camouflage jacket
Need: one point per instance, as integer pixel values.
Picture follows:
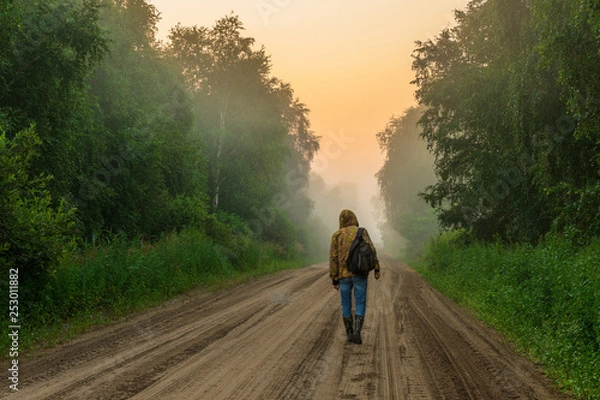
(340, 246)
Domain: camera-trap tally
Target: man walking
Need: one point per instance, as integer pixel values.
(344, 280)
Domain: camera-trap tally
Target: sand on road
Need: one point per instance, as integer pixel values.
(282, 337)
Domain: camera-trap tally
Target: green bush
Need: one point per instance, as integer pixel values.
(186, 212)
(283, 233)
(35, 232)
(123, 277)
(102, 283)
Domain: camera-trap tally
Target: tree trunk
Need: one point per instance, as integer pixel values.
(218, 179)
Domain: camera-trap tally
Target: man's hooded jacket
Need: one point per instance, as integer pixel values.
(340, 246)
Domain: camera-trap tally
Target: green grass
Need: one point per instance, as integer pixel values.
(545, 299)
(102, 284)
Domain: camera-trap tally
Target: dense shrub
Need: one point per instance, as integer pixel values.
(108, 281)
(34, 233)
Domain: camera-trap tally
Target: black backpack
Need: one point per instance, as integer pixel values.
(360, 259)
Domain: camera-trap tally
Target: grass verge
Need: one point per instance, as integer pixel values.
(545, 299)
(102, 284)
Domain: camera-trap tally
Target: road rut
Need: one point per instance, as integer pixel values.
(282, 337)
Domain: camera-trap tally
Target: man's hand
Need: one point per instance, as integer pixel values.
(336, 287)
(377, 275)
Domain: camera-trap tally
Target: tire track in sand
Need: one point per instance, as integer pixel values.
(283, 338)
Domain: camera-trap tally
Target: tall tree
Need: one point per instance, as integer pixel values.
(149, 153)
(251, 123)
(47, 55)
(495, 122)
(219, 64)
(47, 50)
(569, 34)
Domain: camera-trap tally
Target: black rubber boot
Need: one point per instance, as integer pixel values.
(348, 322)
(358, 323)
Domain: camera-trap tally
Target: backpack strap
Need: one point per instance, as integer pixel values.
(359, 233)
(357, 238)
(355, 243)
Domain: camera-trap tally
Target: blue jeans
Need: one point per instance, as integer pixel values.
(359, 284)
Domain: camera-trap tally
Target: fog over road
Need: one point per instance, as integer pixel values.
(282, 338)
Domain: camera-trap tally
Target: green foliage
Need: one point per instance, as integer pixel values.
(137, 136)
(544, 298)
(256, 134)
(224, 228)
(34, 236)
(230, 81)
(148, 163)
(283, 232)
(104, 283)
(315, 237)
(570, 44)
(407, 170)
(511, 117)
(186, 212)
(126, 276)
(46, 57)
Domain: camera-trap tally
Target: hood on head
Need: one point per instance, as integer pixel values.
(348, 218)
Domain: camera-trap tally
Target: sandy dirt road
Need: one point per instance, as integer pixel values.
(282, 338)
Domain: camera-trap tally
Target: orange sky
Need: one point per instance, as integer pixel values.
(348, 61)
